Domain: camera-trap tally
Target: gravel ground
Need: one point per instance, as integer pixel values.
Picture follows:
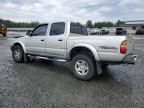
(44, 84)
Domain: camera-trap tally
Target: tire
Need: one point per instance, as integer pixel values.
(5, 33)
(18, 54)
(83, 67)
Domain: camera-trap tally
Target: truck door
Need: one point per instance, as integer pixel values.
(37, 41)
(56, 45)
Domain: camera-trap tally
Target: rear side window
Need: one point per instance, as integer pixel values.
(78, 29)
(57, 28)
(75, 28)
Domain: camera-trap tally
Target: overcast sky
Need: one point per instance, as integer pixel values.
(77, 10)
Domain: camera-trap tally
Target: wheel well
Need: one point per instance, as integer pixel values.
(77, 50)
(17, 44)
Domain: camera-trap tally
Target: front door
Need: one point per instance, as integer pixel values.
(37, 40)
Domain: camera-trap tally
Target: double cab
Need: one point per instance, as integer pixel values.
(70, 41)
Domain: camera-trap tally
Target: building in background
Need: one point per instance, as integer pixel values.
(134, 26)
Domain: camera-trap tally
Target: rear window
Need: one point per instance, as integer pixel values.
(119, 29)
(78, 29)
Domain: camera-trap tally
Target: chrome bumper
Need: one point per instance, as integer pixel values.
(130, 59)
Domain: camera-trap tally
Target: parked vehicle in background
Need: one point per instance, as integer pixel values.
(140, 31)
(104, 30)
(3, 30)
(95, 31)
(70, 41)
(121, 31)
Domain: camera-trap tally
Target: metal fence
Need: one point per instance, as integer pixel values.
(19, 29)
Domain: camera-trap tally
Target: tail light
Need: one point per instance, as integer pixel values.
(123, 47)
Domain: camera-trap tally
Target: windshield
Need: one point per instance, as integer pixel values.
(119, 29)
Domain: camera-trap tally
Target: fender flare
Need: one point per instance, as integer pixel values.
(21, 44)
(90, 47)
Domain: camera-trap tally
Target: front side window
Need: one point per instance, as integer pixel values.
(41, 30)
(57, 29)
(78, 29)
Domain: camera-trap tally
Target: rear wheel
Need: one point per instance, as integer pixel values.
(18, 54)
(83, 67)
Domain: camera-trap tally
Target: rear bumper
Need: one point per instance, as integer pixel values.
(130, 59)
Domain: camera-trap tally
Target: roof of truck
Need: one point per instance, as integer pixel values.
(66, 21)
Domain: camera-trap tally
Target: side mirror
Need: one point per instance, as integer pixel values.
(29, 32)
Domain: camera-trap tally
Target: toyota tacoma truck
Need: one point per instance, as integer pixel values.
(70, 41)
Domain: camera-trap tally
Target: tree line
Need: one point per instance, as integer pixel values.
(12, 24)
(89, 24)
(99, 25)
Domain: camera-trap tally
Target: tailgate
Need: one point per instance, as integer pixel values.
(131, 45)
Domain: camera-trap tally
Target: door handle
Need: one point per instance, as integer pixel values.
(60, 39)
(42, 39)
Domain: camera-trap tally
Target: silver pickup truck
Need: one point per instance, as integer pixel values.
(70, 41)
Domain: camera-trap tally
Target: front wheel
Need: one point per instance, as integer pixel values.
(18, 54)
(83, 67)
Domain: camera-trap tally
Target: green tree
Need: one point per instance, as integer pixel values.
(119, 22)
(103, 24)
(13, 24)
(89, 24)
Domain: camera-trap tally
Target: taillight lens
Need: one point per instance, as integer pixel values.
(123, 47)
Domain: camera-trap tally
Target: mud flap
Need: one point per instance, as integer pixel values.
(99, 68)
(25, 58)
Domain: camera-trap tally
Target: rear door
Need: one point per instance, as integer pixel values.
(56, 41)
